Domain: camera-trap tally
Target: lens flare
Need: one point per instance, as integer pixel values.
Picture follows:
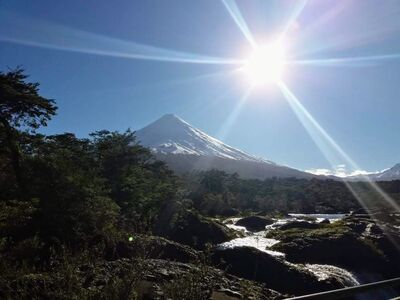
(265, 65)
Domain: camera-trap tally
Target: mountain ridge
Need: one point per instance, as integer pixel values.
(389, 174)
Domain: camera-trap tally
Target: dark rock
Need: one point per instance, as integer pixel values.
(253, 264)
(155, 247)
(184, 226)
(229, 212)
(225, 294)
(178, 278)
(325, 221)
(197, 231)
(254, 223)
(354, 243)
(299, 225)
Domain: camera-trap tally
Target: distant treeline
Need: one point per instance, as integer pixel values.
(217, 193)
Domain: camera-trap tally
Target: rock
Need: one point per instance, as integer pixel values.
(229, 212)
(254, 223)
(184, 226)
(372, 229)
(225, 294)
(354, 243)
(325, 221)
(229, 222)
(299, 225)
(253, 264)
(174, 280)
(155, 247)
(197, 231)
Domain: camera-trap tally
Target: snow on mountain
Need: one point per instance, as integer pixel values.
(389, 174)
(172, 135)
(392, 173)
(185, 148)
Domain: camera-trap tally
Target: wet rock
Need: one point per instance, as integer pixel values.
(254, 223)
(325, 221)
(252, 264)
(354, 243)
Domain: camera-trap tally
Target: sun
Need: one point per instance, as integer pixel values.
(265, 65)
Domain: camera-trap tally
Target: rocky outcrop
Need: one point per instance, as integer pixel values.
(253, 264)
(356, 243)
(254, 223)
(197, 231)
(177, 223)
(154, 247)
(160, 279)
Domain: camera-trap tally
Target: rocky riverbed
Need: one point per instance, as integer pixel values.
(319, 275)
(337, 250)
(292, 255)
(208, 259)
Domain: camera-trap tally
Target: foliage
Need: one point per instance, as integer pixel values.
(63, 193)
(214, 191)
(193, 285)
(21, 109)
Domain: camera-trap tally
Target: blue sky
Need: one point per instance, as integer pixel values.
(88, 56)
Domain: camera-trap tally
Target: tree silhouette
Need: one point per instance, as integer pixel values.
(22, 109)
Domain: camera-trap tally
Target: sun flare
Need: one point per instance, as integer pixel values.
(265, 65)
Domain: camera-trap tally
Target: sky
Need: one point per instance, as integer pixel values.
(118, 65)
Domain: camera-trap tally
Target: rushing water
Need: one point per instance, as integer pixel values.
(324, 272)
(260, 242)
(256, 241)
(319, 217)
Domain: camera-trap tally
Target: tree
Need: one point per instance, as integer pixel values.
(21, 109)
(136, 181)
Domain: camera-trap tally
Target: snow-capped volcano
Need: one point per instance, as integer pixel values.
(172, 135)
(185, 148)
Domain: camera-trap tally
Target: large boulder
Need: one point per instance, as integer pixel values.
(254, 223)
(197, 231)
(253, 264)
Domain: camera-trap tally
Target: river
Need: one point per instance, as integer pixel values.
(260, 242)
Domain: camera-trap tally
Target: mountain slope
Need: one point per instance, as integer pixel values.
(172, 135)
(392, 173)
(185, 148)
